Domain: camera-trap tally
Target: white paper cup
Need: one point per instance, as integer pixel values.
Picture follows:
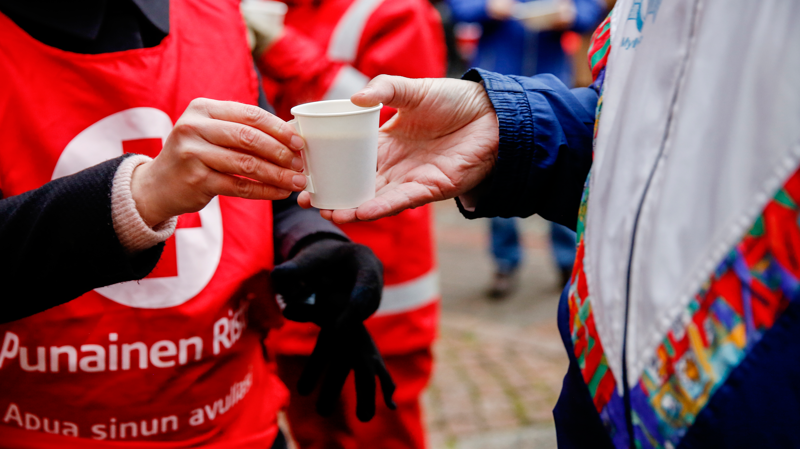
(341, 152)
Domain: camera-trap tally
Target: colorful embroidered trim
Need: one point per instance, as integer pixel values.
(599, 47)
(737, 306)
(587, 347)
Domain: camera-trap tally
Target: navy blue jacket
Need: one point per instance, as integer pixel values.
(545, 147)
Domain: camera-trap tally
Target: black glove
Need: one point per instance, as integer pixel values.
(337, 285)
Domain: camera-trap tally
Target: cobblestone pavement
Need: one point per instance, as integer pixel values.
(499, 363)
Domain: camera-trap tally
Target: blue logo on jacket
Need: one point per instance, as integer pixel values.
(636, 12)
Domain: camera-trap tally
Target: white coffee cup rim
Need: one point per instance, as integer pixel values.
(296, 111)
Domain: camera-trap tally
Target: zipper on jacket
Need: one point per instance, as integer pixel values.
(659, 157)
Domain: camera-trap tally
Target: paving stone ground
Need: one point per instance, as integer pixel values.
(499, 364)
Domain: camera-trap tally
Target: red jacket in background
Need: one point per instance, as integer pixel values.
(330, 50)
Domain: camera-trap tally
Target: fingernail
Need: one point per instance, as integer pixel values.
(299, 181)
(297, 142)
(297, 164)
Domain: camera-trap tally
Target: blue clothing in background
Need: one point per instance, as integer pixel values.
(506, 247)
(563, 242)
(508, 47)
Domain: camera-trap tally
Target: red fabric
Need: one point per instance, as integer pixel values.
(70, 365)
(401, 37)
(399, 429)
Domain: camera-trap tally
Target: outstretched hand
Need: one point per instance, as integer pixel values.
(442, 143)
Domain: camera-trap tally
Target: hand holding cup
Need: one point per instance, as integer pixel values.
(442, 143)
(219, 148)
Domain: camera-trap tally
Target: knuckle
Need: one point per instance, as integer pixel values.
(197, 179)
(284, 177)
(247, 164)
(247, 137)
(244, 188)
(252, 113)
(284, 155)
(184, 128)
(187, 153)
(199, 104)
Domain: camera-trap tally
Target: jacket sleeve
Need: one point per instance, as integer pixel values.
(545, 148)
(58, 242)
(469, 10)
(301, 67)
(294, 228)
(401, 37)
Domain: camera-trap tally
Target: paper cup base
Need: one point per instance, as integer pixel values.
(333, 207)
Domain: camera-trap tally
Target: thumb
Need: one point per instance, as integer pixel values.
(394, 91)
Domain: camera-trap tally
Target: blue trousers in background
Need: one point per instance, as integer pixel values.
(563, 241)
(507, 249)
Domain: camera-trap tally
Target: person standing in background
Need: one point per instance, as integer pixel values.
(507, 46)
(330, 49)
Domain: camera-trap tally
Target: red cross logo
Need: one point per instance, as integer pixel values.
(168, 265)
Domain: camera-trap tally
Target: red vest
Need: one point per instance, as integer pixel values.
(331, 50)
(173, 360)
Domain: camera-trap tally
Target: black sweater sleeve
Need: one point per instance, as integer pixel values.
(58, 242)
(295, 228)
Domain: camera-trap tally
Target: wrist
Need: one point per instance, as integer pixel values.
(145, 195)
(317, 237)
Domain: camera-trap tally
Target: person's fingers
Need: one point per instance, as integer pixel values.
(332, 385)
(252, 167)
(365, 387)
(316, 363)
(391, 202)
(222, 184)
(387, 385)
(250, 115)
(379, 366)
(395, 199)
(393, 91)
(289, 280)
(253, 141)
(365, 296)
(341, 216)
(304, 200)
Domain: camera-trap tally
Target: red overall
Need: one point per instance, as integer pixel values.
(175, 360)
(330, 50)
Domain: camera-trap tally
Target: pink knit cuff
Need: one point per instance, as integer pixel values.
(132, 231)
